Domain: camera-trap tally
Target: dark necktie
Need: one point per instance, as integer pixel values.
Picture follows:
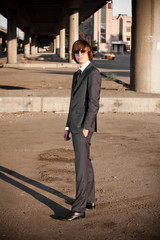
(78, 75)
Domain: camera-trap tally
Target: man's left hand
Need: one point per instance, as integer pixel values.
(85, 132)
(66, 135)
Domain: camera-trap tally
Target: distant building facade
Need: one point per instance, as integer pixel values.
(111, 34)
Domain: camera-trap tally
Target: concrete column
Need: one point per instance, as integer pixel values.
(36, 48)
(73, 30)
(33, 46)
(36, 45)
(121, 49)
(57, 45)
(62, 43)
(145, 55)
(40, 49)
(1, 41)
(116, 48)
(51, 47)
(26, 43)
(11, 37)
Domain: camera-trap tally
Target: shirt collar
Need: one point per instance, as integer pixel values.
(84, 66)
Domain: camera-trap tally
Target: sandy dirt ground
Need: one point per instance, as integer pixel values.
(44, 82)
(37, 179)
(57, 82)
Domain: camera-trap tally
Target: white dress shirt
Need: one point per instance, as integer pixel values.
(84, 66)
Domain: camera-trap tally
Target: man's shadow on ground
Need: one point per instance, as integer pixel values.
(57, 208)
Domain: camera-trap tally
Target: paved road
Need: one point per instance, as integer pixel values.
(120, 67)
(120, 62)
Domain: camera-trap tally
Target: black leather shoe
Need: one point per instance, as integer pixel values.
(90, 205)
(73, 216)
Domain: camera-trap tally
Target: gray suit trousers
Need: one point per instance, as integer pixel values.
(85, 188)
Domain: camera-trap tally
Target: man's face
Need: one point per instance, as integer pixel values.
(81, 56)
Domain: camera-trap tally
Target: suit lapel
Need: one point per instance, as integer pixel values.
(81, 78)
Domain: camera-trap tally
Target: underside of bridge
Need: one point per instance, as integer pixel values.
(45, 17)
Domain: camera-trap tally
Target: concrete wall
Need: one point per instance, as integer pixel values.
(61, 104)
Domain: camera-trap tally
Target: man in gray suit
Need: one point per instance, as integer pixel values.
(82, 122)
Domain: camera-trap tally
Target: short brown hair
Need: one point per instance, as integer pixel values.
(82, 44)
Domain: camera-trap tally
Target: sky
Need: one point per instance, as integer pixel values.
(3, 22)
(119, 6)
(123, 7)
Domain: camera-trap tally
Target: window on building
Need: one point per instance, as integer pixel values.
(121, 29)
(128, 29)
(110, 5)
(103, 24)
(128, 21)
(128, 38)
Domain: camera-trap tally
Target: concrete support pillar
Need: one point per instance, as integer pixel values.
(33, 45)
(36, 48)
(62, 43)
(11, 37)
(145, 55)
(40, 49)
(57, 45)
(121, 49)
(26, 43)
(73, 30)
(51, 47)
(1, 41)
(115, 48)
(36, 45)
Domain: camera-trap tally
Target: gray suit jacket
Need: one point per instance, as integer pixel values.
(84, 102)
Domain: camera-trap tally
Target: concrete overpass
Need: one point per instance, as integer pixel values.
(45, 20)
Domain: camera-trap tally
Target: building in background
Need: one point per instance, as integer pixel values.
(108, 33)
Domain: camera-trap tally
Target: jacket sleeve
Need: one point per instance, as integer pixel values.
(68, 118)
(94, 87)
